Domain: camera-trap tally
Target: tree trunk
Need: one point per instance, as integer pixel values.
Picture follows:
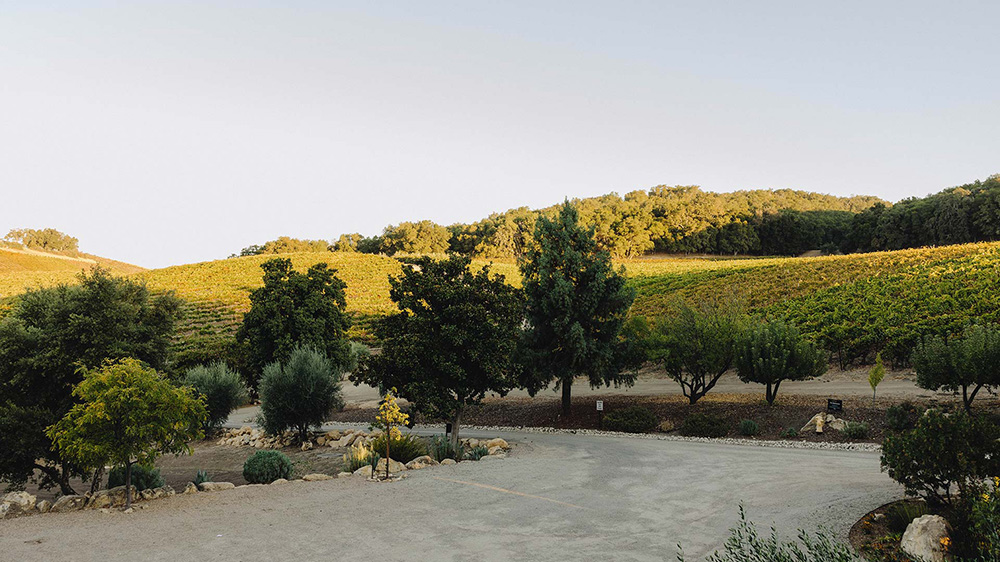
(128, 485)
(454, 428)
(95, 485)
(388, 433)
(567, 402)
(64, 481)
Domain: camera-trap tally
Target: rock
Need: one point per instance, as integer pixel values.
(837, 424)
(321, 440)
(280, 481)
(448, 461)
(394, 466)
(421, 462)
(166, 491)
(191, 488)
(497, 443)
(667, 426)
(473, 443)
(69, 503)
(491, 457)
(25, 500)
(816, 423)
(342, 442)
(115, 497)
(365, 471)
(307, 445)
(317, 477)
(10, 510)
(215, 486)
(343, 474)
(496, 451)
(333, 435)
(43, 506)
(922, 539)
(149, 494)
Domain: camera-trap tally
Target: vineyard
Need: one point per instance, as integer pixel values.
(23, 269)
(854, 305)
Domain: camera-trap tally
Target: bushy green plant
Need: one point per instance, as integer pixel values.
(634, 419)
(300, 393)
(220, 388)
(984, 521)
(941, 454)
(790, 432)
(966, 363)
(749, 428)
(901, 416)
(202, 477)
(477, 453)
(359, 456)
(403, 448)
(704, 425)
(856, 430)
(264, 467)
(900, 515)
(746, 545)
(143, 478)
(442, 448)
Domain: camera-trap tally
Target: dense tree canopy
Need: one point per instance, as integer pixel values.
(45, 239)
(576, 304)
(293, 309)
(452, 341)
(44, 342)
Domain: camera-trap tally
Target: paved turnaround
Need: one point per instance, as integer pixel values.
(557, 497)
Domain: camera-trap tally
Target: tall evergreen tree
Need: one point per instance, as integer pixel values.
(575, 307)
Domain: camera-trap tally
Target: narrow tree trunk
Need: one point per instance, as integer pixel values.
(455, 421)
(64, 482)
(128, 485)
(567, 402)
(388, 432)
(95, 485)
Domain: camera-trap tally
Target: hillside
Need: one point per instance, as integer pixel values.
(854, 305)
(21, 269)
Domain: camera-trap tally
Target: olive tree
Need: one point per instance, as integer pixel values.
(299, 393)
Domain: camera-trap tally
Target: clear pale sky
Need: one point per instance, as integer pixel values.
(163, 133)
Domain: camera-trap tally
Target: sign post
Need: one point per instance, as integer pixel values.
(834, 405)
(600, 414)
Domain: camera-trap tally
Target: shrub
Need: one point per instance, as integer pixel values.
(984, 522)
(901, 514)
(634, 419)
(300, 393)
(264, 467)
(749, 428)
(442, 448)
(142, 478)
(221, 389)
(201, 477)
(790, 432)
(941, 453)
(704, 425)
(856, 430)
(965, 363)
(477, 453)
(746, 545)
(902, 416)
(404, 448)
(359, 456)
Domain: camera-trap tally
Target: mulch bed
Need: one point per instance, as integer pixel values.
(873, 538)
(791, 411)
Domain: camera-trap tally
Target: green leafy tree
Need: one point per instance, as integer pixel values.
(128, 414)
(45, 339)
(875, 375)
(773, 352)
(220, 388)
(294, 309)
(422, 237)
(695, 346)
(299, 393)
(452, 341)
(576, 304)
(46, 239)
(966, 363)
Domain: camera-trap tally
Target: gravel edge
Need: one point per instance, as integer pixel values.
(774, 444)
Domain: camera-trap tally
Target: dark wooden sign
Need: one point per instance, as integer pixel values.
(834, 405)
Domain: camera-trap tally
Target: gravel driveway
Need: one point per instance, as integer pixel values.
(557, 497)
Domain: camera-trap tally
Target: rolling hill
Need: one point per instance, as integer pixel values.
(22, 269)
(854, 305)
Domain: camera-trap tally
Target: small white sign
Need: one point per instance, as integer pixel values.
(600, 405)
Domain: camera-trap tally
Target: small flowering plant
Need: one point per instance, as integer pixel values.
(389, 418)
(986, 520)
